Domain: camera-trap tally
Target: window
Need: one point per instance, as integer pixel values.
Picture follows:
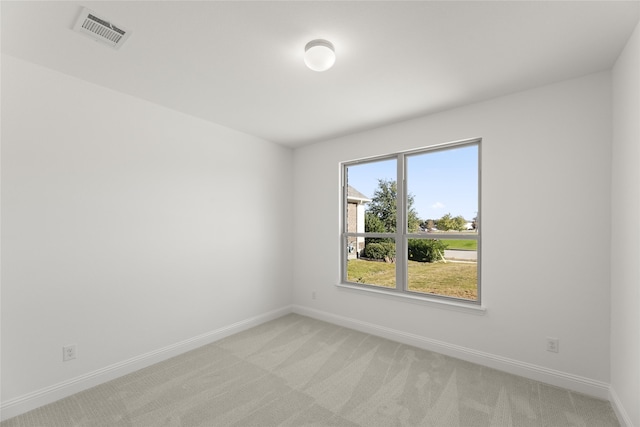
(421, 236)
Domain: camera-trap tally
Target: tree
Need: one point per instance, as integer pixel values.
(383, 206)
(460, 223)
(373, 224)
(447, 222)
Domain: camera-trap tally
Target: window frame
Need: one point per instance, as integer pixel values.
(401, 235)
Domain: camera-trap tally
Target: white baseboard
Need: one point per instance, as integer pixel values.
(64, 389)
(538, 373)
(621, 413)
(28, 402)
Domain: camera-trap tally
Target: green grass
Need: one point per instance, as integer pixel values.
(466, 245)
(450, 279)
(371, 272)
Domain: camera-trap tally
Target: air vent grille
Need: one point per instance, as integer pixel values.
(100, 29)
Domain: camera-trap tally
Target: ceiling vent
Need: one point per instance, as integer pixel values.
(100, 29)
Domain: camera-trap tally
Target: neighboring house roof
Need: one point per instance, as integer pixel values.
(354, 195)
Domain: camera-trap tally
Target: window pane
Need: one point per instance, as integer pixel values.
(376, 265)
(436, 268)
(371, 197)
(441, 212)
(442, 190)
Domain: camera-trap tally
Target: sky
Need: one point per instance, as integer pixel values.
(441, 181)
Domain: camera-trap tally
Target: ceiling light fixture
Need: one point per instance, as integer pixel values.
(319, 55)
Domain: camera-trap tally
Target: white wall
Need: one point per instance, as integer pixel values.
(546, 164)
(128, 228)
(123, 224)
(625, 233)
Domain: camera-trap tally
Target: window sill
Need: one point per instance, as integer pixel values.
(424, 300)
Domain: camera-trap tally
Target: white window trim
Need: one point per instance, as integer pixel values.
(401, 236)
(454, 305)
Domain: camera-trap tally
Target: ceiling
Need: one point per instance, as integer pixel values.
(239, 64)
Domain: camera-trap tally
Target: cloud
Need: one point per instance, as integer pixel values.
(437, 205)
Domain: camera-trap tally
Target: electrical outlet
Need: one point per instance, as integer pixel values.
(313, 295)
(69, 352)
(553, 345)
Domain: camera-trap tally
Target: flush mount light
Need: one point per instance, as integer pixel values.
(319, 55)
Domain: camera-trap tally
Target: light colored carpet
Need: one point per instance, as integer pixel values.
(297, 371)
